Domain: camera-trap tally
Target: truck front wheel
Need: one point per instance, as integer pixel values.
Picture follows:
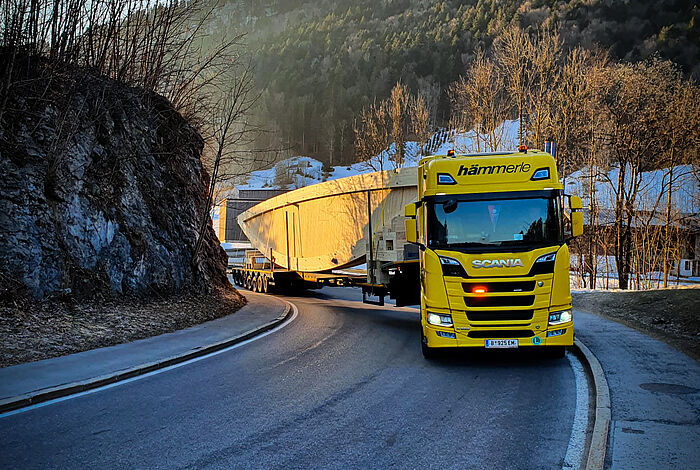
(555, 352)
(428, 352)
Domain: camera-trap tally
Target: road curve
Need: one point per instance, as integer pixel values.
(343, 386)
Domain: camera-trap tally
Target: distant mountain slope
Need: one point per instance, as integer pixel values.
(320, 61)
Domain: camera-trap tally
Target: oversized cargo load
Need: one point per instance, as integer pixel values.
(326, 226)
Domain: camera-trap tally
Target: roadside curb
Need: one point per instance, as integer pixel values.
(21, 401)
(595, 459)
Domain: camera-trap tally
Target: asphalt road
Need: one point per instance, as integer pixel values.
(343, 386)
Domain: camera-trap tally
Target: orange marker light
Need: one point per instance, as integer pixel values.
(479, 290)
(450, 153)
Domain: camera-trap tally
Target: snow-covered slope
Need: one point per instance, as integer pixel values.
(297, 172)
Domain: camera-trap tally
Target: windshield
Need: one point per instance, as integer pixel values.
(493, 223)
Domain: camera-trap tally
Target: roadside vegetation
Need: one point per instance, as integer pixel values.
(114, 124)
(52, 329)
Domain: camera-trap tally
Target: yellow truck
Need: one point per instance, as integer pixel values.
(494, 265)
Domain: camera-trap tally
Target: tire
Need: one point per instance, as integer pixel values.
(428, 352)
(258, 285)
(265, 285)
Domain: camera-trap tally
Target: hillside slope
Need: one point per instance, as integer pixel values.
(320, 61)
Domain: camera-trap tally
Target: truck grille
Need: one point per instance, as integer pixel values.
(508, 286)
(490, 315)
(500, 301)
(496, 334)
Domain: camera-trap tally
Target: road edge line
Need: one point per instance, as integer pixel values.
(22, 401)
(595, 459)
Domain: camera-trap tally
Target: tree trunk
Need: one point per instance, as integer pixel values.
(667, 238)
(620, 231)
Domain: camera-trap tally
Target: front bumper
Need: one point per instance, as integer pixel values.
(438, 337)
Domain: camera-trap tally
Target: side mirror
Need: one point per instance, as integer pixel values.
(411, 231)
(576, 216)
(409, 211)
(411, 224)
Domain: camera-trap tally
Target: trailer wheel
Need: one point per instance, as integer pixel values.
(248, 282)
(258, 284)
(265, 286)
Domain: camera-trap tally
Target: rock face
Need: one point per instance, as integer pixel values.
(101, 192)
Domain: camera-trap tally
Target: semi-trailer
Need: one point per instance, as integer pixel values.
(481, 246)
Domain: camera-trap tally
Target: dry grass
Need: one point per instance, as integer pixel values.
(671, 315)
(35, 331)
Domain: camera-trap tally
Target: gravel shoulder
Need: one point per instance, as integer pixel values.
(35, 331)
(671, 315)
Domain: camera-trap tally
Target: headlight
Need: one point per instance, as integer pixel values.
(564, 316)
(546, 258)
(439, 319)
(450, 261)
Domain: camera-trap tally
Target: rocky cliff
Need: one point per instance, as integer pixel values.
(101, 191)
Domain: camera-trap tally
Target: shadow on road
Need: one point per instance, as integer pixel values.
(407, 323)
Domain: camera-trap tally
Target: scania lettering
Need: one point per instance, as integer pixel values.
(494, 263)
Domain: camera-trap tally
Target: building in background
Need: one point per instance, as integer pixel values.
(225, 219)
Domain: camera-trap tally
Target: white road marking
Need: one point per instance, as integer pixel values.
(577, 441)
(155, 372)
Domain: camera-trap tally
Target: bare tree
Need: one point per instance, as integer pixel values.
(544, 71)
(384, 127)
(682, 135)
(479, 103)
(511, 51)
(631, 102)
(419, 118)
(229, 132)
(372, 135)
(399, 118)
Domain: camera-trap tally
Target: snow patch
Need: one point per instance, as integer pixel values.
(299, 171)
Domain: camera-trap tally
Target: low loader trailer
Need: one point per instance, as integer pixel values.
(258, 274)
(480, 246)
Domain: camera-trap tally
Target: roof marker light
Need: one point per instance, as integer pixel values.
(450, 153)
(444, 178)
(540, 174)
(522, 148)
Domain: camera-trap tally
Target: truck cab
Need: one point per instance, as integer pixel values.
(494, 262)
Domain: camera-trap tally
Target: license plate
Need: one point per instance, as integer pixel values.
(501, 343)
